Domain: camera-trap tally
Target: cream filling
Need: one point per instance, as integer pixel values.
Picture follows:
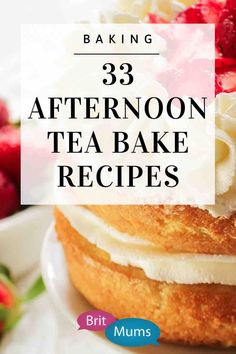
(225, 156)
(131, 250)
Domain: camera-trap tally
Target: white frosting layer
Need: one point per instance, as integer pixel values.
(225, 155)
(134, 251)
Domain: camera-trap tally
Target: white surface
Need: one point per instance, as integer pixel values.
(71, 304)
(13, 14)
(79, 10)
(21, 237)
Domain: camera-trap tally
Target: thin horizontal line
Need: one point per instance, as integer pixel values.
(116, 54)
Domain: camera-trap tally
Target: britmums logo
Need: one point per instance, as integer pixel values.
(95, 320)
(127, 332)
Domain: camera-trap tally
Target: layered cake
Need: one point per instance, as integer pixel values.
(174, 265)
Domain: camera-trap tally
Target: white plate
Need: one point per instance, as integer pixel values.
(21, 238)
(71, 303)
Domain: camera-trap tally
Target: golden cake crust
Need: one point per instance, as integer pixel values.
(193, 314)
(173, 228)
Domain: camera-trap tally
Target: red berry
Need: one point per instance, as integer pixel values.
(218, 85)
(223, 62)
(211, 10)
(9, 304)
(4, 114)
(10, 152)
(6, 297)
(226, 30)
(153, 18)
(206, 11)
(226, 79)
(230, 4)
(192, 14)
(9, 198)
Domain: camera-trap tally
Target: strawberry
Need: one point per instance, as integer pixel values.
(226, 30)
(9, 304)
(10, 152)
(206, 11)
(8, 196)
(211, 10)
(192, 14)
(6, 297)
(4, 114)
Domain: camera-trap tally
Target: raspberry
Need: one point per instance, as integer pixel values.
(9, 199)
(4, 114)
(10, 152)
(226, 30)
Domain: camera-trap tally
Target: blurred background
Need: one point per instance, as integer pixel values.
(29, 319)
(22, 229)
(13, 14)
